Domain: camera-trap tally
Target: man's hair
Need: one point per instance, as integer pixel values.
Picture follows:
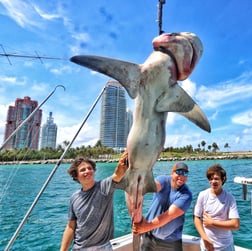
(73, 169)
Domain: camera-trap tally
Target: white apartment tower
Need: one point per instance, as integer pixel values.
(113, 124)
(48, 133)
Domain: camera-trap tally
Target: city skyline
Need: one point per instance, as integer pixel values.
(115, 122)
(20, 135)
(221, 83)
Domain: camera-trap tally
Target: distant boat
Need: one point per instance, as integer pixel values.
(245, 182)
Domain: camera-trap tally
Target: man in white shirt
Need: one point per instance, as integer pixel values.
(215, 213)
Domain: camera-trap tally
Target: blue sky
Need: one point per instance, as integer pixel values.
(221, 83)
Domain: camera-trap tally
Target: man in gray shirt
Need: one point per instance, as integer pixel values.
(90, 217)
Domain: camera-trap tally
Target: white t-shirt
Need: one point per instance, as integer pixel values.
(221, 207)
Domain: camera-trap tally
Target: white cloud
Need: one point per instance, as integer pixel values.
(189, 87)
(226, 92)
(247, 131)
(12, 81)
(61, 70)
(171, 118)
(181, 140)
(44, 15)
(21, 12)
(87, 136)
(214, 115)
(81, 37)
(244, 118)
(3, 113)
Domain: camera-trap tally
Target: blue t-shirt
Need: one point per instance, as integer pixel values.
(162, 200)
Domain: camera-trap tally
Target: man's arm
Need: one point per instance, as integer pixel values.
(144, 226)
(121, 168)
(230, 224)
(68, 235)
(199, 226)
(172, 213)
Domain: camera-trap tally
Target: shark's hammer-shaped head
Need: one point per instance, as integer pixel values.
(184, 47)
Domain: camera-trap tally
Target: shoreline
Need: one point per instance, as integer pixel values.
(217, 156)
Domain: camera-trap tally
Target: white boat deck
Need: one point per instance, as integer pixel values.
(190, 243)
(124, 243)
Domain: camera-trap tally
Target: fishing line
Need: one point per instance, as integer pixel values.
(12, 174)
(51, 175)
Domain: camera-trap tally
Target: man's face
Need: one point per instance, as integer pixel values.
(85, 172)
(179, 177)
(215, 183)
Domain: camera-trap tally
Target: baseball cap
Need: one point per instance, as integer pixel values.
(180, 166)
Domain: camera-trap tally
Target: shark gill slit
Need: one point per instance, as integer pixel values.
(138, 181)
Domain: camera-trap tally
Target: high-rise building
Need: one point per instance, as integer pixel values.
(129, 121)
(28, 135)
(113, 131)
(48, 133)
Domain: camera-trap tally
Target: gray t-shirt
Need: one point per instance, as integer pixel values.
(93, 212)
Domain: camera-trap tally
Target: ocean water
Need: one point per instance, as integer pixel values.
(43, 230)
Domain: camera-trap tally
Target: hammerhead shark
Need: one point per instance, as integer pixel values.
(156, 91)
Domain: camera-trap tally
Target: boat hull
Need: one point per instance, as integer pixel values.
(190, 243)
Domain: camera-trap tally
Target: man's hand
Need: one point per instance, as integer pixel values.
(121, 167)
(207, 220)
(208, 245)
(141, 227)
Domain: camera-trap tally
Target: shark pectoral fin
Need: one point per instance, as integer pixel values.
(197, 116)
(150, 185)
(128, 74)
(126, 182)
(177, 100)
(123, 184)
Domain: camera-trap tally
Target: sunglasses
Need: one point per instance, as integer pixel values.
(181, 172)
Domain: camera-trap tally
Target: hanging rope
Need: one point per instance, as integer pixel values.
(160, 16)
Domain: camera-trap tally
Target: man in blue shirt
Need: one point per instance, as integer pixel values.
(165, 219)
